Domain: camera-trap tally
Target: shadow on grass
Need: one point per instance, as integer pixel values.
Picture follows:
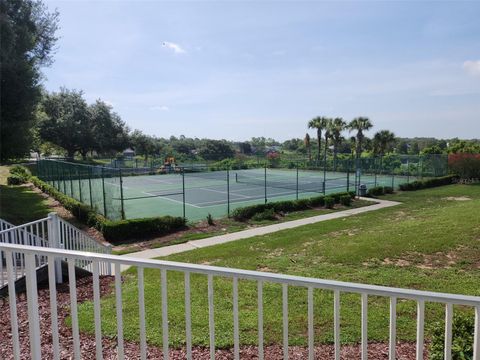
(19, 205)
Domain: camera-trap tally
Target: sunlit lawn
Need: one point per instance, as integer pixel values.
(404, 246)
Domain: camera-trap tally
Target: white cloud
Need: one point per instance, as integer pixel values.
(177, 49)
(472, 67)
(162, 108)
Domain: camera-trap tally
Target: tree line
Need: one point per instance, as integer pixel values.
(63, 123)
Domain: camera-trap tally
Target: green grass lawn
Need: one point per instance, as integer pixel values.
(430, 242)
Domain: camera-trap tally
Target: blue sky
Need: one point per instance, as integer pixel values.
(234, 70)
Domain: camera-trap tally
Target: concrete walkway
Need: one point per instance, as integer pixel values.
(222, 239)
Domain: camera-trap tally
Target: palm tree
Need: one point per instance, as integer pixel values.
(319, 123)
(306, 141)
(336, 128)
(383, 141)
(360, 124)
(328, 134)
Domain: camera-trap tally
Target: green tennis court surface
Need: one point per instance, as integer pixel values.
(218, 192)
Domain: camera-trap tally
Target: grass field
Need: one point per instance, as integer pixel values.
(430, 242)
(19, 204)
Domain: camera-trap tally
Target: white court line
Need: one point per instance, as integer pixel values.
(223, 192)
(212, 203)
(169, 199)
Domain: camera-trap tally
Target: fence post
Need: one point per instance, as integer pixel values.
(348, 178)
(265, 183)
(103, 190)
(53, 228)
(228, 192)
(90, 186)
(183, 191)
(79, 173)
(297, 182)
(121, 196)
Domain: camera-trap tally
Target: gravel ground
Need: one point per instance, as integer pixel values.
(376, 351)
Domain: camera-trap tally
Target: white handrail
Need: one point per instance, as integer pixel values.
(338, 287)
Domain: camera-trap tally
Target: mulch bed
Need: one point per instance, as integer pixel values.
(376, 351)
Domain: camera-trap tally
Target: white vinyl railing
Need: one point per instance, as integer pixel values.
(48, 232)
(337, 287)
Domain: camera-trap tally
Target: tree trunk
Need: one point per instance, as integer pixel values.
(319, 140)
(335, 157)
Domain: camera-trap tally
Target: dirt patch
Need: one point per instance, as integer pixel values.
(461, 255)
(376, 351)
(458, 198)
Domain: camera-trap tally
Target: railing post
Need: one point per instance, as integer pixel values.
(54, 242)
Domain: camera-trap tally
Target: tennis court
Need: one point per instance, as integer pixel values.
(219, 192)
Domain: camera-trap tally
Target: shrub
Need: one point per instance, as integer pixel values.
(329, 202)
(18, 175)
(388, 190)
(210, 219)
(14, 180)
(267, 214)
(376, 191)
(317, 201)
(428, 183)
(466, 166)
(121, 230)
(346, 200)
(462, 335)
(246, 212)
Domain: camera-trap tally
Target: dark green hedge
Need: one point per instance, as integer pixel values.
(248, 212)
(127, 230)
(113, 231)
(428, 183)
(18, 175)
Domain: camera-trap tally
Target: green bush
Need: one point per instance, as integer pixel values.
(428, 183)
(346, 200)
(246, 212)
(388, 190)
(376, 191)
(267, 214)
(329, 202)
(122, 230)
(18, 175)
(317, 201)
(210, 220)
(15, 180)
(462, 338)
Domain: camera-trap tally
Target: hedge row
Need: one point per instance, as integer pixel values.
(18, 175)
(113, 231)
(429, 183)
(379, 190)
(248, 212)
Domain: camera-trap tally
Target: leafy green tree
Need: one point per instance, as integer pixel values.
(143, 144)
(434, 149)
(319, 123)
(109, 132)
(27, 33)
(360, 125)
(66, 121)
(383, 142)
(216, 150)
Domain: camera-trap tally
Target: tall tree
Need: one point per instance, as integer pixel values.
(109, 132)
(319, 123)
(328, 134)
(359, 124)
(27, 32)
(383, 142)
(336, 128)
(66, 121)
